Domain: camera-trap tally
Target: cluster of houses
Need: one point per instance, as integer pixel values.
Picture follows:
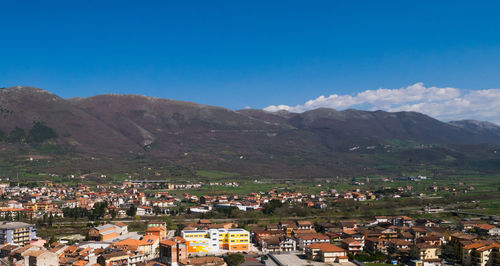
(34, 202)
(398, 238)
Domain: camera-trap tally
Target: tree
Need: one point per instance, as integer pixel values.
(40, 132)
(270, 207)
(17, 135)
(51, 220)
(234, 259)
(3, 136)
(157, 210)
(132, 211)
(113, 214)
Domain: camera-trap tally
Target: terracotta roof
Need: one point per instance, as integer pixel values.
(485, 226)
(149, 240)
(154, 229)
(488, 247)
(474, 245)
(120, 224)
(313, 236)
(326, 247)
(168, 242)
(80, 263)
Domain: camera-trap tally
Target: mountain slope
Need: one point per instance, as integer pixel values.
(23, 105)
(314, 143)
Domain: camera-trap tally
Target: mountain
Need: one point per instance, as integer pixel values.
(483, 127)
(319, 142)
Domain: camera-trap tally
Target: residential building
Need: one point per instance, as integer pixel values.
(327, 253)
(173, 251)
(213, 240)
(308, 239)
(426, 253)
(278, 244)
(487, 230)
(41, 258)
(116, 258)
(17, 233)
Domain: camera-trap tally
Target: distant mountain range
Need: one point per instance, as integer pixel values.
(319, 142)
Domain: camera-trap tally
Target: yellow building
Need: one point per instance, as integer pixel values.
(214, 240)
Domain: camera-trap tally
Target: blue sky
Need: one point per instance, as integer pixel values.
(249, 53)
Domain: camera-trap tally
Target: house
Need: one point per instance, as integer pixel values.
(173, 251)
(426, 253)
(308, 239)
(273, 227)
(160, 232)
(352, 245)
(375, 244)
(487, 230)
(326, 252)
(288, 227)
(389, 233)
(141, 211)
(278, 244)
(258, 235)
(308, 225)
(122, 228)
(113, 258)
(399, 246)
(348, 225)
(148, 245)
(41, 258)
(105, 232)
(431, 240)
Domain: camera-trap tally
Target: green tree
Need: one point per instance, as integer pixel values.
(17, 135)
(270, 207)
(3, 136)
(40, 132)
(132, 211)
(234, 259)
(51, 220)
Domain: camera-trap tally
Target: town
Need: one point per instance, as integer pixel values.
(141, 222)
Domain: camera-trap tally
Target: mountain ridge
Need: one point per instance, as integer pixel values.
(314, 142)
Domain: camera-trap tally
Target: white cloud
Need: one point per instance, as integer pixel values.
(442, 103)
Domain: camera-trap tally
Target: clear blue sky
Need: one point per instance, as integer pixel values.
(247, 53)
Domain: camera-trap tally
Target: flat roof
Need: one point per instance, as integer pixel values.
(14, 225)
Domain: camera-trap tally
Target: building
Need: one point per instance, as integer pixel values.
(41, 258)
(308, 239)
(327, 253)
(17, 233)
(426, 253)
(107, 232)
(173, 251)
(352, 245)
(160, 232)
(487, 230)
(213, 240)
(113, 258)
(487, 255)
(305, 225)
(278, 244)
(148, 245)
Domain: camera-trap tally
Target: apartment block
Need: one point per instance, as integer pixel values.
(215, 240)
(17, 233)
